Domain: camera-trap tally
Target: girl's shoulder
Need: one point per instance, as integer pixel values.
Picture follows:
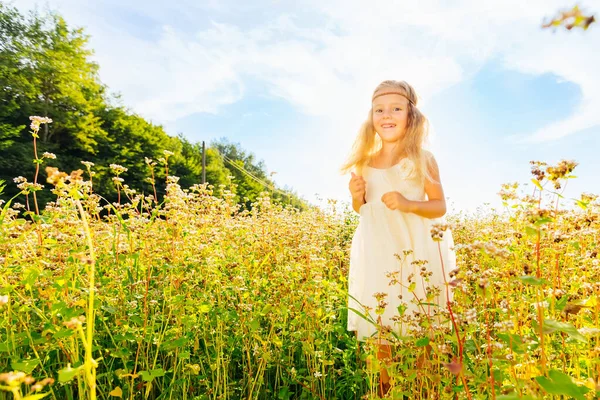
(427, 154)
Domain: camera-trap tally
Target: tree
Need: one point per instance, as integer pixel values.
(45, 70)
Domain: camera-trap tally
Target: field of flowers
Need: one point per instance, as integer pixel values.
(194, 298)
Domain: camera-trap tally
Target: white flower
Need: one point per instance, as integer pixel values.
(37, 121)
(49, 155)
(118, 169)
(40, 120)
(3, 300)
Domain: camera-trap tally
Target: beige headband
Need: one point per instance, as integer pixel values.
(400, 93)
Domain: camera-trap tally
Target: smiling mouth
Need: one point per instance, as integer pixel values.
(388, 125)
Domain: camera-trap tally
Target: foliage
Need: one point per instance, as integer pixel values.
(200, 298)
(45, 70)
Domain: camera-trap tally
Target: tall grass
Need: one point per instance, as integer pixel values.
(195, 298)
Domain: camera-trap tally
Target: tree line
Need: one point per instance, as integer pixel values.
(46, 70)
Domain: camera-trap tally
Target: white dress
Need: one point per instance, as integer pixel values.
(382, 245)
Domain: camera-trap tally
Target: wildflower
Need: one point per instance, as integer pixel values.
(454, 367)
(76, 176)
(318, 374)
(55, 176)
(37, 121)
(471, 315)
(40, 120)
(88, 164)
(172, 179)
(74, 322)
(117, 169)
(437, 231)
(536, 170)
(15, 378)
(49, 155)
(167, 153)
(560, 171)
(542, 304)
(455, 282)
(3, 300)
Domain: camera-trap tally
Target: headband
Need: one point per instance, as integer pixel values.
(400, 93)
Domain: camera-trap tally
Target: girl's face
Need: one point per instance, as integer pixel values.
(390, 115)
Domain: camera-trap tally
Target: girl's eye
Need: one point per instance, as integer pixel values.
(397, 109)
(378, 110)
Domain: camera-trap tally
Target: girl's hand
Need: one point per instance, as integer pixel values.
(396, 201)
(357, 187)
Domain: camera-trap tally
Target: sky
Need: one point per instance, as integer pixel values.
(291, 82)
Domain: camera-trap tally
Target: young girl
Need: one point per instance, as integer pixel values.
(396, 189)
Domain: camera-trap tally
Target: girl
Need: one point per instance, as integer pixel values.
(395, 264)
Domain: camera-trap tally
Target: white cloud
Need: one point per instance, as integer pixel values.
(431, 44)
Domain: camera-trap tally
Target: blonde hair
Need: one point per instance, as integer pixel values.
(367, 142)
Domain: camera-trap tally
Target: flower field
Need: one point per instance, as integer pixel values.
(194, 298)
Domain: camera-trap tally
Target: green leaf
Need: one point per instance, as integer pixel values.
(6, 207)
(422, 342)
(543, 221)
(532, 280)
(36, 396)
(363, 316)
(255, 324)
(401, 309)
(66, 374)
(582, 204)
(149, 376)
(26, 366)
(284, 393)
(204, 308)
(63, 333)
(513, 341)
(173, 344)
(531, 231)
(562, 384)
(537, 183)
(551, 326)
(266, 309)
(561, 303)
(514, 396)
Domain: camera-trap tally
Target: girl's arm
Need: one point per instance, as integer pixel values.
(356, 204)
(435, 206)
(357, 187)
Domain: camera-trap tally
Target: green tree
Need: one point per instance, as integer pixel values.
(251, 176)
(45, 70)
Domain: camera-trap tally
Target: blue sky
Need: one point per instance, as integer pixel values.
(292, 83)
